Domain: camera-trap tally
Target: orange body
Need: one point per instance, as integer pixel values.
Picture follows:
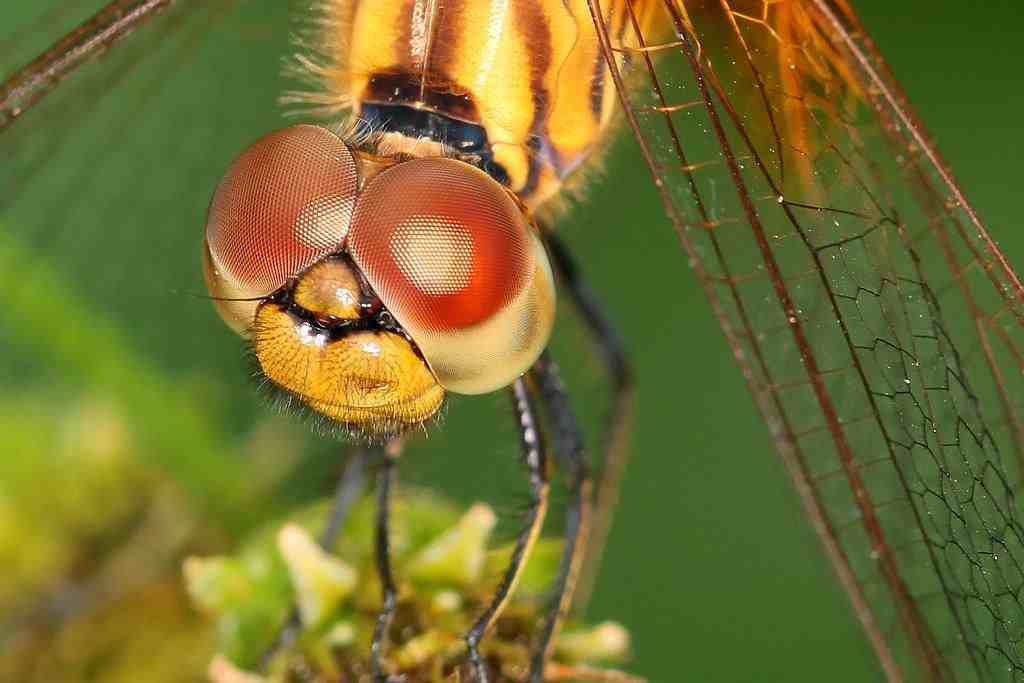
(529, 72)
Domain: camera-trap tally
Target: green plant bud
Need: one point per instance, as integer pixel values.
(457, 556)
(606, 642)
(446, 573)
(321, 582)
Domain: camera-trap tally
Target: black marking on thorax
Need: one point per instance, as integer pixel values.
(396, 104)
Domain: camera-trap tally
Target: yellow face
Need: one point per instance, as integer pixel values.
(368, 290)
(323, 340)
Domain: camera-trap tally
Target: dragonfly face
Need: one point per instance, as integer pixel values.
(369, 283)
(234, 131)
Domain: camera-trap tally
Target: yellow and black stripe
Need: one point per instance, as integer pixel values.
(528, 72)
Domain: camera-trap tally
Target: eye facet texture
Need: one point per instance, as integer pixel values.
(284, 204)
(451, 256)
(446, 249)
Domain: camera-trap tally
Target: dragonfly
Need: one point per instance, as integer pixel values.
(896, 629)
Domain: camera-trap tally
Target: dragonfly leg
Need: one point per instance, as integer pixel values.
(350, 486)
(389, 593)
(615, 450)
(534, 458)
(568, 448)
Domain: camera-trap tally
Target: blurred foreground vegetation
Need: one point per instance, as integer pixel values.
(113, 577)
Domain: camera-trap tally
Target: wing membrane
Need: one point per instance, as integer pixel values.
(103, 187)
(877, 324)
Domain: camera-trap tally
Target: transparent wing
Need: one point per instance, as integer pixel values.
(125, 409)
(875, 321)
(103, 193)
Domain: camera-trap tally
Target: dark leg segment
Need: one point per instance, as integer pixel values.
(615, 451)
(350, 486)
(385, 484)
(568, 448)
(535, 460)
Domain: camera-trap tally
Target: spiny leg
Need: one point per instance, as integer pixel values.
(620, 419)
(389, 593)
(534, 458)
(568, 448)
(350, 486)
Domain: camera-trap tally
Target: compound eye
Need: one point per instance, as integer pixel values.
(451, 256)
(285, 203)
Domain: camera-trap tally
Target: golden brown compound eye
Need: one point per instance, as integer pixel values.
(285, 203)
(452, 257)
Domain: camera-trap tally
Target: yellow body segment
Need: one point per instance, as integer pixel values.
(529, 72)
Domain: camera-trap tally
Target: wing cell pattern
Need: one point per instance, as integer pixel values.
(876, 322)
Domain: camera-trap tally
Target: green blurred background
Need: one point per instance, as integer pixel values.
(710, 563)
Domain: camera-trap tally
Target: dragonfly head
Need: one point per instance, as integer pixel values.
(370, 287)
